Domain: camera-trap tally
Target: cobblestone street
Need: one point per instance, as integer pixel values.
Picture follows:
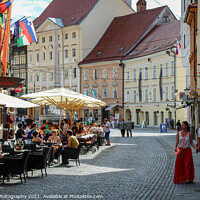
(141, 167)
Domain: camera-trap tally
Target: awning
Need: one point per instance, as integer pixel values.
(112, 106)
(13, 102)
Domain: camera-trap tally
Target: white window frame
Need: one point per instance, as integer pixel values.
(127, 75)
(44, 76)
(104, 72)
(50, 55)
(146, 74)
(115, 74)
(86, 74)
(134, 74)
(37, 57)
(115, 90)
(140, 70)
(106, 92)
(154, 71)
(134, 95)
(95, 74)
(73, 35)
(146, 94)
(172, 68)
(127, 95)
(96, 90)
(85, 92)
(66, 53)
(172, 92)
(154, 93)
(166, 69)
(74, 52)
(43, 56)
(166, 92)
(66, 73)
(30, 58)
(66, 36)
(51, 76)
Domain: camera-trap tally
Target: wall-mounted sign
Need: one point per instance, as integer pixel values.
(19, 89)
(137, 110)
(10, 82)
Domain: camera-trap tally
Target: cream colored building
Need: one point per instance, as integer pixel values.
(152, 69)
(75, 33)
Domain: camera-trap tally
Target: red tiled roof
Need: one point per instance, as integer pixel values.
(123, 33)
(161, 37)
(71, 11)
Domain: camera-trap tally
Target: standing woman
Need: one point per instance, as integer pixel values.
(107, 131)
(184, 167)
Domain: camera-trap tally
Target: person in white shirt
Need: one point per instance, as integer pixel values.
(93, 129)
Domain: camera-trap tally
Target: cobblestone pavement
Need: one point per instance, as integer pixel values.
(141, 167)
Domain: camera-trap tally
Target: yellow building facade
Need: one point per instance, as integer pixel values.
(156, 69)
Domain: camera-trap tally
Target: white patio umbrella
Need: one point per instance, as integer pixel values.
(13, 102)
(64, 99)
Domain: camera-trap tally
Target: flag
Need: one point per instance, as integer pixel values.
(26, 32)
(94, 93)
(5, 6)
(88, 93)
(16, 29)
(178, 47)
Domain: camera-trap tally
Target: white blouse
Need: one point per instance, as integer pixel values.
(187, 141)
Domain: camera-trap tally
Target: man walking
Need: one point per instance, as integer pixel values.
(129, 128)
(123, 127)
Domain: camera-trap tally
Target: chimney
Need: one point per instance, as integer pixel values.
(141, 5)
(129, 2)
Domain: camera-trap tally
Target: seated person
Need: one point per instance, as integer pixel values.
(55, 139)
(81, 128)
(48, 131)
(74, 129)
(1, 156)
(20, 132)
(72, 143)
(93, 129)
(100, 131)
(43, 131)
(36, 137)
(30, 134)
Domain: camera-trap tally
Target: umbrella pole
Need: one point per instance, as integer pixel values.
(71, 121)
(60, 121)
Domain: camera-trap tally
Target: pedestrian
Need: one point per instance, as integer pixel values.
(178, 125)
(184, 167)
(107, 131)
(113, 121)
(129, 128)
(23, 119)
(198, 139)
(123, 127)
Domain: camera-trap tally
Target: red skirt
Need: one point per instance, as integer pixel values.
(184, 167)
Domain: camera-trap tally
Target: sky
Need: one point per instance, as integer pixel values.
(34, 8)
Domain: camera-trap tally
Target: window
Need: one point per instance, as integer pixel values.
(86, 92)
(154, 94)
(66, 36)
(127, 96)
(166, 93)
(172, 92)
(127, 78)
(140, 72)
(86, 73)
(43, 56)
(37, 78)
(50, 39)
(146, 94)
(172, 68)
(31, 78)
(94, 74)
(184, 42)
(66, 73)
(134, 74)
(154, 71)
(140, 95)
(166, 69)
(58, 37)
(134, 95)
(104, 93)
(37, 57)
(50, 55)
(73, 52)
(73, 35)
(43, 39)
(20, 75)
(104, 72)
(30, 58)
(146, 73)
(115, 75)
(44, 76)
(51, 76)
(115, 93)
(95, 95)
(66, 53)
(74, 72)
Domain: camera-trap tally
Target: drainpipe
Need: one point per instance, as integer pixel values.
(122, 65)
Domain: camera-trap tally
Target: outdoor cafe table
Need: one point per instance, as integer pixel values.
(91, 138)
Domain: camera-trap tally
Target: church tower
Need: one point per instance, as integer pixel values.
(141, 5)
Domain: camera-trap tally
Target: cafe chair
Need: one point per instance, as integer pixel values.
(72, 153)
(15, 166)
(38, 161)
(31, 147)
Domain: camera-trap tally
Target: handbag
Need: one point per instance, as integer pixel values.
(179, 149)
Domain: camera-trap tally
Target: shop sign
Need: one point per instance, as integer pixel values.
(10, 82)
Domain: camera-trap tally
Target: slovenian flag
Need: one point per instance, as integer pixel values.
(178, 48)
(94, 93)
(5, 6)
(25, 32)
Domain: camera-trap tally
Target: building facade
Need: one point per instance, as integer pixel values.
(65, 38)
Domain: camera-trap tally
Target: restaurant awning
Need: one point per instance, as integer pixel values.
(182, 106)
(13, 102)
(112, 106)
